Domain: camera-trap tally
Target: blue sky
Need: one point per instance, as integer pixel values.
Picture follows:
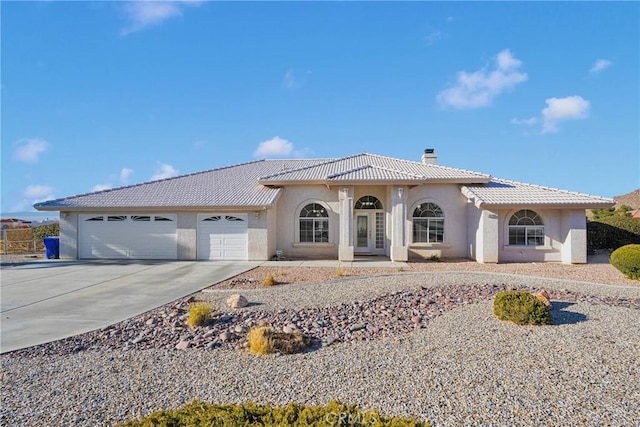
(97, 95)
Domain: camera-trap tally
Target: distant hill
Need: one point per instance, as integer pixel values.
(32, 216)
(630, 199)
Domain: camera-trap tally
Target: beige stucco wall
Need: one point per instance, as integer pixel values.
(469, 232)
(454, 207)
(551, 251)
(68, 235)
(187, 223)
(573, 233)
(258, 237)
(272, 231)
(292, 200)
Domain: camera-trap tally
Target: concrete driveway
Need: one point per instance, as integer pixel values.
(44, 301)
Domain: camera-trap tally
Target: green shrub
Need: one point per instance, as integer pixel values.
(612, 232)
(251, 414)
(199, 314)
(42, 231)
(521, 308)
(627, 260)
(263, 340)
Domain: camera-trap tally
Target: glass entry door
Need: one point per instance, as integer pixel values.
(369, 232)
(363, 233)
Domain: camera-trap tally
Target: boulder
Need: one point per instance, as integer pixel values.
(544, 297)
(237, 301)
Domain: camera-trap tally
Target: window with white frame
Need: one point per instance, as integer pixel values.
(428, 223)
(526, 229)
(314, 224)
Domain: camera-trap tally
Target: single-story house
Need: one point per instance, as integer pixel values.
(328, 209)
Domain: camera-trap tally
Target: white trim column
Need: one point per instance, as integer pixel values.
(345, 247)
(488, 238)
(574, 231)
(399, 249)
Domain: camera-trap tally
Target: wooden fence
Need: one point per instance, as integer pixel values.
(20, 241)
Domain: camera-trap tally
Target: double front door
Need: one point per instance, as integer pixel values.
(369, 232)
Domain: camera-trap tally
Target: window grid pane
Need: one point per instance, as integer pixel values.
(436, 230)
(526, 229)
(535, 236)
(517, 236)
(379, 230)
(306, 230)
(420, 228)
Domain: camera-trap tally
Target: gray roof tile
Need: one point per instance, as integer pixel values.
(233, 186)
(505, 193)
(246, 185)
(366, 167)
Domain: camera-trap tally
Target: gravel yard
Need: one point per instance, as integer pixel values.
(425, 345)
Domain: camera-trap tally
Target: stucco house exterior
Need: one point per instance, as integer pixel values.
(328, 209)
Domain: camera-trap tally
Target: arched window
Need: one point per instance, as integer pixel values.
(428, 224)
(368, 202)
(314, 224)
(526, 229)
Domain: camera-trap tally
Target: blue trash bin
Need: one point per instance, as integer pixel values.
(52, 247)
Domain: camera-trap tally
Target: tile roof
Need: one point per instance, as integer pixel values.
(504, 193)
(371, 167)
(255, 184)
(232, 186)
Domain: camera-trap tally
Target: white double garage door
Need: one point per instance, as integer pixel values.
(155, 236)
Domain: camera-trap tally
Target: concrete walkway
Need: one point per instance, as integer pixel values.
(44, 301)
(360, 261)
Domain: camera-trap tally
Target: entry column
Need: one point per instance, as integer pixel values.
(399, 250)
(345, 248)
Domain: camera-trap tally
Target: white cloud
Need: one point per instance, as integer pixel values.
(35, 194)
(164, 171)
(528, 122)
(433, 37)
(144, 14)
(38, 191)
(293, 80)
(101, 187)
(478, 89)
(600, 65)
(563, 109)
(29, 149)
(125, 173)
(274, 147)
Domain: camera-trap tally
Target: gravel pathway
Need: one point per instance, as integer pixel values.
(458, 367)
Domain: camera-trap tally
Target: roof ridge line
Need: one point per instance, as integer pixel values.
(346, 172)
(399, 171)
(329, 161)
(430, 165)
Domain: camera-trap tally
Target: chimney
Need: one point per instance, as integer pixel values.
(429, 157)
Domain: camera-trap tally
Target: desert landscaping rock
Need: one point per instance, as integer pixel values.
(237, 301)
(429, 347)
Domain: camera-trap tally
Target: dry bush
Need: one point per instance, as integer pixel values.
(269, 280)
(264, 340)
(199, 314)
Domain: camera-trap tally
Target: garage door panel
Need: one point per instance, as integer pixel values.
(222, 236)
(128, 237)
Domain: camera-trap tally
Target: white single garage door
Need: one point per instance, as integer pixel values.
(128, 236)
(222, 236)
